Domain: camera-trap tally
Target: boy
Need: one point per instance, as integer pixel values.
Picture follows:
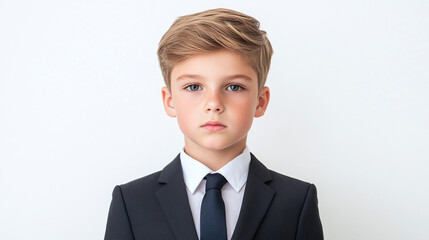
(215, 64)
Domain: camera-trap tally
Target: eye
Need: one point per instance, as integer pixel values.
(193, 87)
(234, 87)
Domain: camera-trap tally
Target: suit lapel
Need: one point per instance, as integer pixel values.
(256, 201)
(174, 201)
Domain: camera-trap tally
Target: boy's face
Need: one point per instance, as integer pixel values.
(215, 98)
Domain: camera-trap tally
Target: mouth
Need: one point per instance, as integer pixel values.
(213, 126)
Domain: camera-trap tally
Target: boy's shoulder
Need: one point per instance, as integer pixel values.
(284, 179)
(154, 181)
(143, 182)
(280, 183)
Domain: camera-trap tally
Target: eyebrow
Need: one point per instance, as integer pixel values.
(191, 76)
(199, 77)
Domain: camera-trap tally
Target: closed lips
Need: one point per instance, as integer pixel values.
(212, 123)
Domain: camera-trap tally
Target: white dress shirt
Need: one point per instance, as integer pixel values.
(235, 172)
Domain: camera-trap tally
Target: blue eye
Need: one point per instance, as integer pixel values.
(193, 87)
(234, 88)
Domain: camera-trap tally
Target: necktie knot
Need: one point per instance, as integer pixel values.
(215, 181)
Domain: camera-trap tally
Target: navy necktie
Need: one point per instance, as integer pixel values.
(212, 218)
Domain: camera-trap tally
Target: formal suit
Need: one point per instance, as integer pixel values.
(156, 207)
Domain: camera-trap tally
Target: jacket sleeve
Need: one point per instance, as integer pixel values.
(310, 226)
(118, 223)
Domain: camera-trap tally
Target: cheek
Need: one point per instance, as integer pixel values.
(185, 113)
(243, 113)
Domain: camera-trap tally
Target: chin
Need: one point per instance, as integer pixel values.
(214, 145)
(218, 145)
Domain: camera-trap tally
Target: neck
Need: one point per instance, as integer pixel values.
(213, 158)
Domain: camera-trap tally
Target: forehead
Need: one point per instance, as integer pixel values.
(217, 64)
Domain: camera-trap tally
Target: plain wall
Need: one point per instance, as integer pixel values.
(81, 111)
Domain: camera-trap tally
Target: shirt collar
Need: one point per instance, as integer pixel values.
(235, 171)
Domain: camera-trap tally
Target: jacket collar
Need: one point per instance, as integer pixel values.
(174, 201)
(256, 201)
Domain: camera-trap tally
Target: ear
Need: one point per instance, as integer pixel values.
(167, 99)
(264, 98)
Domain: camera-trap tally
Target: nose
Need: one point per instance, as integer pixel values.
(214, 102)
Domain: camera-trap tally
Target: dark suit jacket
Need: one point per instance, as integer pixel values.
(156, 207)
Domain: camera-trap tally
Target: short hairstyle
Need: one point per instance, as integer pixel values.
(213, 30)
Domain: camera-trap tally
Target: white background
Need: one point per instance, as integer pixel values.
(81, 111)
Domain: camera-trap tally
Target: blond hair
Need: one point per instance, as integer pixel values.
(213, 30)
